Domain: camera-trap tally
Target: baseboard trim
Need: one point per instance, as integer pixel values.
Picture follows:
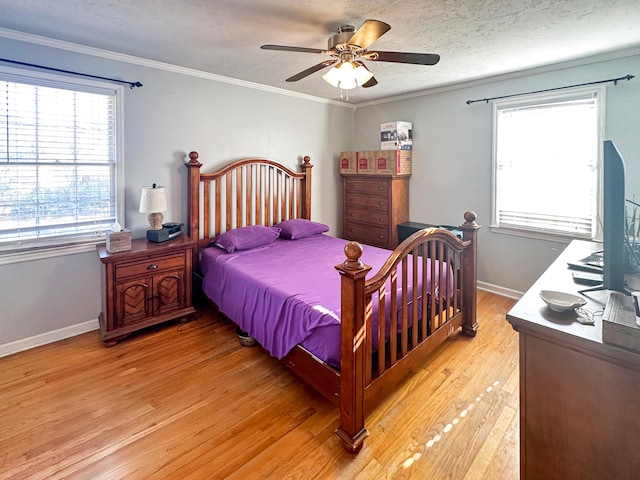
(48, 337)
(498, 290)
(80, 328)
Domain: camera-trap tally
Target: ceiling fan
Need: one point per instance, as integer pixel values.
(348, 48)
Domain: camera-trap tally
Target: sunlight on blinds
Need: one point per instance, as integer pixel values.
(57, 165)
(546, 166)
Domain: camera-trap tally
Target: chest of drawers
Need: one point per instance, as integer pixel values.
(373, 207)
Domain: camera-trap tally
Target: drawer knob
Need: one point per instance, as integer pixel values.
(381, 188)
(153, 266)
(381, 220)
(381, 203)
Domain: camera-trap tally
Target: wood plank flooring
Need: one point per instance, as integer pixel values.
(186, 401)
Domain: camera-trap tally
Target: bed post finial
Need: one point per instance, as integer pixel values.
(306, 187)
(353, 252)
(193, 159)
(193, 186)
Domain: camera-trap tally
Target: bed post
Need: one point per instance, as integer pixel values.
(470, 279)
(193, 194)
(352, 351)
(306, 188)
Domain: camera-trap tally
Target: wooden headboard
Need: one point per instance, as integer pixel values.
(251, 191)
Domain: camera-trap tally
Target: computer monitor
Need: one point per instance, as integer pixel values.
(613, 221)
(613, 218)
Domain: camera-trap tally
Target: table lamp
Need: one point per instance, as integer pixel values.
(153, 201)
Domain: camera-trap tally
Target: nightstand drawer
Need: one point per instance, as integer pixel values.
(368, 187)
(151, 265)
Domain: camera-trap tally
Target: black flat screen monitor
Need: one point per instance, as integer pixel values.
(613, 219)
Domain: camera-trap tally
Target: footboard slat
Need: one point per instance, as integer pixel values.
(432, 289)
(382, 325)
(414, 300)
(404, 331)
(393, 318)
(426, 327)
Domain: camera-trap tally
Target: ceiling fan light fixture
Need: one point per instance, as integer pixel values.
(348, 75)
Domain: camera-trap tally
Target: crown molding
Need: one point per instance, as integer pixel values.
(143, 62)
(602, 57)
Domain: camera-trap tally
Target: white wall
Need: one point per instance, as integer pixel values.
(172, 114)
(452, 157)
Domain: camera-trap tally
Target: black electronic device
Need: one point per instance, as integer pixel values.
(167, 232)
(613, 213)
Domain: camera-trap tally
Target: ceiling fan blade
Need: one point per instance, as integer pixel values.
(404, 57)
(371, 83)
(369, 32)
(292, 49)
(310, 70)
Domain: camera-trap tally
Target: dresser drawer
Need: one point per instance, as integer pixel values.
(151, 265)
(376, 236)
(359, 201)
(369, 217)
(379, 188)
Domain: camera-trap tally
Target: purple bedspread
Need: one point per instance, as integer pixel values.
(285, 293)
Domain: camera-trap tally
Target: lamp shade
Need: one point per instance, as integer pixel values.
(348, 75)
(153, 199)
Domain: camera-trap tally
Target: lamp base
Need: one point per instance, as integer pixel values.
(155, 220)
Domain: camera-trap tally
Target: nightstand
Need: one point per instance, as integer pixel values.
(144, 286)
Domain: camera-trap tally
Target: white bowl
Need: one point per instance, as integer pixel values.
(560, 301)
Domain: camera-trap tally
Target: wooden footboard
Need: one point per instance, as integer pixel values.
(410, 324)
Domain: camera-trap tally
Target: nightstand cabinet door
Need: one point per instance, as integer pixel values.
(147, 285)
(168, 292)
(373, 206)
(132, 301)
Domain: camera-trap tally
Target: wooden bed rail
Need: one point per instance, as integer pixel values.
(376, 358)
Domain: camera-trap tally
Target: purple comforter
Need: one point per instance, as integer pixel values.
(285, 293)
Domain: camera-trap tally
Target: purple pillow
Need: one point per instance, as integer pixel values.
(300, 228)
(244, 238)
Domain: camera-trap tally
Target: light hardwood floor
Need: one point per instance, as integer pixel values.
(186, 401)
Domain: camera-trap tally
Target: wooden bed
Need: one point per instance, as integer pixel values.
(263, 192)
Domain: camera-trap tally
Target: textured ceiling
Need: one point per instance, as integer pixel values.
(475, 38)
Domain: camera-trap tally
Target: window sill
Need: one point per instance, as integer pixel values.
(49, 252)
(537, 235)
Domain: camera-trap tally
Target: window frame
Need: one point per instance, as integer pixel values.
(533, 99)
(49, 247)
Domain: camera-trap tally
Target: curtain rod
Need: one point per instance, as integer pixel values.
(614, 80)
(131, 84)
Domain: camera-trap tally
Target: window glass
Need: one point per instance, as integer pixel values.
(59, 161)
(546, 157)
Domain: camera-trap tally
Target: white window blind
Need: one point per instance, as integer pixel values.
(57, 163)
(546, 157)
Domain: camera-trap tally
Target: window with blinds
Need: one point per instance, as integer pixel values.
(546, 156)
(58, 161)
